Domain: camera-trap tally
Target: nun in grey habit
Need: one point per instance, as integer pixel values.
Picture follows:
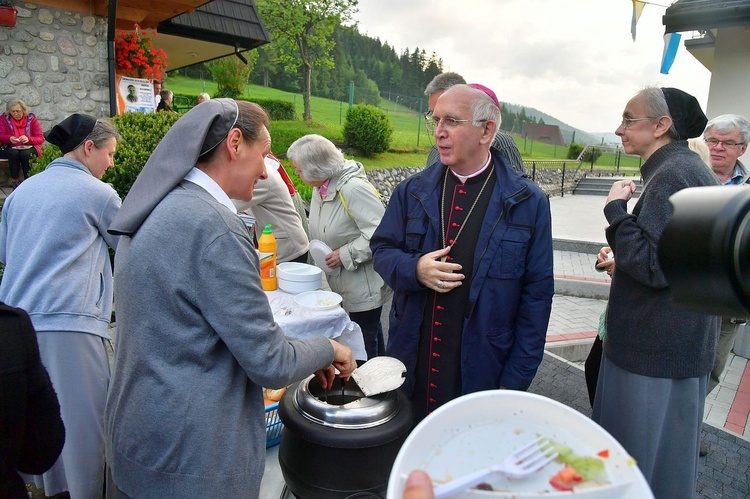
(196, 339)
(657, 357)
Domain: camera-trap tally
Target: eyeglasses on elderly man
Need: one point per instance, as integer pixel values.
(448, 123)
(713, 142)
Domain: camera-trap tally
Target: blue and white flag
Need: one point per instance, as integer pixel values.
(671, 44)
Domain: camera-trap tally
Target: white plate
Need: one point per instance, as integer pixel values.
(318, 300)
(481, 429)
(318, 251)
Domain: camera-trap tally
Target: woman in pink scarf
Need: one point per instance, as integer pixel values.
(21, 137)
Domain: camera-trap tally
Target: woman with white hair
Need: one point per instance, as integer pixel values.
(21, 137)
(165, 101)
(344, 212)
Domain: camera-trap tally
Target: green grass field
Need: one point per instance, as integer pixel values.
(411, 141)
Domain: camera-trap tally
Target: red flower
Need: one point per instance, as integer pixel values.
(136, 56)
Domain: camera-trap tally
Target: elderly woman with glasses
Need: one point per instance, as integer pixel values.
(21, 136)
(344, 212)
(654, 372)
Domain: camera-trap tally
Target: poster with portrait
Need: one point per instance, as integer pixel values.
(134, 95)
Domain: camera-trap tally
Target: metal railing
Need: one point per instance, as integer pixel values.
(554, 176)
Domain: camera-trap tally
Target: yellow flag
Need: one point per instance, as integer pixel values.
(637, 9)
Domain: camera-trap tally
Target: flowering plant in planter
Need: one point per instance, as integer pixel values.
(136, 56)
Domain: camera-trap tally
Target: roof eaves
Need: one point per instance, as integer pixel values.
(690, 15)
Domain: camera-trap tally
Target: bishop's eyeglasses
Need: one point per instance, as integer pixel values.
(431, 122)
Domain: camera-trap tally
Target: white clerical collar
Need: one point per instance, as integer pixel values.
(464, 178)
(199, 178)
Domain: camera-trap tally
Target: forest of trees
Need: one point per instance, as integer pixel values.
(374, 67)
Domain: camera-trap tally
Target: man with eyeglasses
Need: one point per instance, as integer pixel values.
(503, 142)
(466, 246)
(726, 137)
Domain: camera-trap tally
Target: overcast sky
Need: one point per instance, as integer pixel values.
(572, 59)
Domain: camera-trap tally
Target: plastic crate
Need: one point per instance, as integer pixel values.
(273, 425)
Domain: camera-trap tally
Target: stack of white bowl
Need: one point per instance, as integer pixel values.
(297, 278)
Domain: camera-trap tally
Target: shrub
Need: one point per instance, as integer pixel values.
(304, 190)
(591, 154)
(574, 150)
(140, 133)
(368, 129)
(278, 110)
(231, 74)
(281, 110)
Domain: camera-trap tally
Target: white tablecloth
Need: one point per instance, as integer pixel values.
(300, 322)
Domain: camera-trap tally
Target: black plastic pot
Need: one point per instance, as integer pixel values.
(339, 450)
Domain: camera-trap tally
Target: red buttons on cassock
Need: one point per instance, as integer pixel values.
(435, 354)
(433, 385)
(461, 191)
(458, 208)
(435, 338)
(450, 241)
(432, 400)
(454, 224)
(434, 370)
(439, 307)
(438, 323)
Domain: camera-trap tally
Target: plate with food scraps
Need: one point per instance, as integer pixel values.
(318, 300)
(480, 429)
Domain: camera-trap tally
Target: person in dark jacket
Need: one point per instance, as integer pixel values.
(165, 101)
(654, 372)
(466, 246)
(31, 429)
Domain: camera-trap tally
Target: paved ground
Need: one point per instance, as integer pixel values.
(574, 320)
(724, 472)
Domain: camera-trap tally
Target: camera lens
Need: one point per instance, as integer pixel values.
(704, 250)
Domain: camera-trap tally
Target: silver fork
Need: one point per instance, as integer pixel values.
(523, 462)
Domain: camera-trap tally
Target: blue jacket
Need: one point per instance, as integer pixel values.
(511, 291)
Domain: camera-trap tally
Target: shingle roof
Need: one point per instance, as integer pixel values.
(227, 22)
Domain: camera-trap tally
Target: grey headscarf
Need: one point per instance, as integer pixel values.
(197, 132)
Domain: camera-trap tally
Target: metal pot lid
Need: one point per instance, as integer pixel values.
(345, 407)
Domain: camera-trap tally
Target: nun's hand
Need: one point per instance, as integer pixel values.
(343, 359)
(622, 189)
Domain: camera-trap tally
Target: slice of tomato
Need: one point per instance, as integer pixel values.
(604, 453)
(565, 479)
(561, 485)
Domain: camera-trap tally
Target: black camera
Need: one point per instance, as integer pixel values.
(704, 250)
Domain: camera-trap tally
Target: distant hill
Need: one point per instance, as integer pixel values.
(567, 131)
